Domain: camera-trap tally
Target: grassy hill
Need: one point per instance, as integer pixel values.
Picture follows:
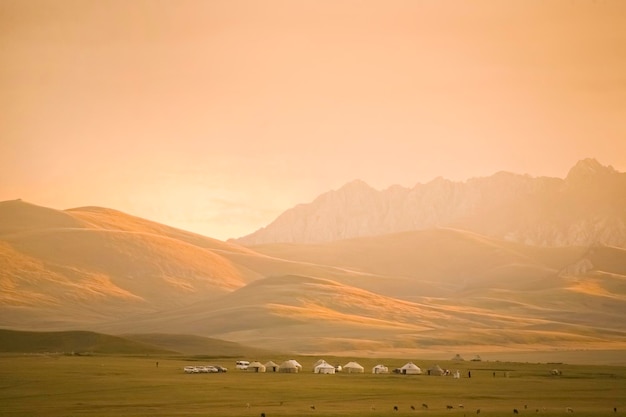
(435, 290)
(72, 342)
(197, 345)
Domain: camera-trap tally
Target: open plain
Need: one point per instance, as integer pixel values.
(51, 385)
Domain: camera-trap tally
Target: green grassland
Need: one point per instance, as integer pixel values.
(114, 385)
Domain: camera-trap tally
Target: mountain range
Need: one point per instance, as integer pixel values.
(439, 287)
(585, 208)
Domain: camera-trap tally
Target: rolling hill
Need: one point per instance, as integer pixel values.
(86, 342)
(441, 289)
(72, 342)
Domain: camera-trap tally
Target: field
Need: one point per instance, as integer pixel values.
(59, 385)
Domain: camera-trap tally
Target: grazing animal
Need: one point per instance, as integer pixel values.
(262, 414)
(478, 411)
(569, 409)
(449, 407)
(615, 409)
(526, 406)
(515, 411)
(412, 407)
(312, 407)
(461, 406)
(395, 408)
(425, 406)
(372, 408)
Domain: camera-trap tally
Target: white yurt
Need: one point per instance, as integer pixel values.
(353, 368)
(435, 370)
(256, 367)
(319, 362)
(324, 368)
(458, 358)
(410, 369)
(271, 366)
(290, 366)
(380, 369)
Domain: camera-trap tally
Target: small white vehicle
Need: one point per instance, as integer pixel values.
(191, 370)
(243, 365)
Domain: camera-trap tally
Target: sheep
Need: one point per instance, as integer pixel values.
(425, 406)
(395, 408)
(449, 407)
(312, 407)
(412, 407)
(515, 411)
(478, 411)
(262, 414)
(569, 409)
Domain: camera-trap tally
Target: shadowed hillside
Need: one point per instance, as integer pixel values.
(77, 342)
(197, 345)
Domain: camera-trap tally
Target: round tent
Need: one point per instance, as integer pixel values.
(256, 367)
(353, 368)
(324, 368)
(436, 370)
(271, 366)
(319, 362)
(458, 358)
(290, 366)
(410, 369)
(380, 369)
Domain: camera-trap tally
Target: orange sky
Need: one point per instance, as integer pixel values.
(216, 116)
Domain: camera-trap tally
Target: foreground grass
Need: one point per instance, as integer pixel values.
(40, 385)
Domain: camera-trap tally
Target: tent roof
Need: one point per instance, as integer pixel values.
(410, 365)
(291, 363)
(271, 363)
(353, 365)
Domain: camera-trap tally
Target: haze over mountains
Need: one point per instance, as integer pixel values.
(587, 207)
(506, 262)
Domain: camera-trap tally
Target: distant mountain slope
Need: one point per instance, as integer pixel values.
(310, 315)
(585, 208)
(86, 265)
(439, 289)
(71, 342)
(436, 262)
(197, 345)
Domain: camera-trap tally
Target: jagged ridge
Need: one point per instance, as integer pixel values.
(585, 208)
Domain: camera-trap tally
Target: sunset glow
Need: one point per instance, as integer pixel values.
(217, 116)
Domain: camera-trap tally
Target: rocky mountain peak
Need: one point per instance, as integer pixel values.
(532, 210)
(588, 168)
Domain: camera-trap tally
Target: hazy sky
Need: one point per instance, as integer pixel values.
(216, 116)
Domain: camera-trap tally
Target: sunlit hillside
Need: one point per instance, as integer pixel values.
(88, 265)
(436, 290)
